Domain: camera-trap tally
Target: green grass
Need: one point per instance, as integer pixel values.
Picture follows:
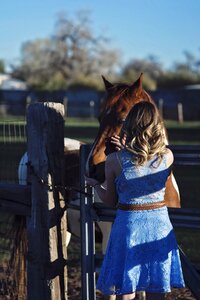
(186, 124)
(72, 120)
(94, 122)
(183, 142)
(12, 119)
(81, 122)
(86, 129)
(179, 134)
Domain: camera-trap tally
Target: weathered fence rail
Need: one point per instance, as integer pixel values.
(15, 198)
(186, 155)
(180, 217)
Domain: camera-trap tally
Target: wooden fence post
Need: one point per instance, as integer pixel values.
(47, 253)
(180, 112)
(65, 103)
(160, 106)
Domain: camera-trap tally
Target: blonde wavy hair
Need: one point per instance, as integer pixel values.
(145, 133)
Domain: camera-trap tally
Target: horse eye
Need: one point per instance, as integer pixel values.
(120, 121)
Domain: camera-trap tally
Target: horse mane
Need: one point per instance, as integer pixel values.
(148, 96)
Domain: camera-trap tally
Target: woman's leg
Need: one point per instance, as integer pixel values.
(126, 297)
(111, 297)
(155, 296)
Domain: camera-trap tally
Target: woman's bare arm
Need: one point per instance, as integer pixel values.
(170, 158)
(107, 194)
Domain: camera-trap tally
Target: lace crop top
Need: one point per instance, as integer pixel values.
(141, 184)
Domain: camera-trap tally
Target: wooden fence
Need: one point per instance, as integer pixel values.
(43, 204)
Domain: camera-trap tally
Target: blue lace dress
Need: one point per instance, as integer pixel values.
(142, 253)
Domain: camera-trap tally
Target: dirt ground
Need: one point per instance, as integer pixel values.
(74, 277)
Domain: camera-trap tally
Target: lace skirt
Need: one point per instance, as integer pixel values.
(142, 254)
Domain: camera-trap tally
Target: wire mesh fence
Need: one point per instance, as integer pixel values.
(12, 148)
(12, 227)
(13, 247)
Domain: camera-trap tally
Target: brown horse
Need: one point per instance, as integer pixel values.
(120, 98)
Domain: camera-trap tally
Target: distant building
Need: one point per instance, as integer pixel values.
(192, 87)
(9, 83)
(13, 95)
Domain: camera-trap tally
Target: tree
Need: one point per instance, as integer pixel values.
(2, 66)
(150, 66)
(182, 74)
(73, 54)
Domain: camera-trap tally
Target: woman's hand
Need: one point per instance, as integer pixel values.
(91, 181)
(117, 142)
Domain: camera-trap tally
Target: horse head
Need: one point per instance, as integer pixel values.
(119, 99)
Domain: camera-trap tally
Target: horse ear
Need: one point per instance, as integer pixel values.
(137, 85)
(106, 83)
(139, 81)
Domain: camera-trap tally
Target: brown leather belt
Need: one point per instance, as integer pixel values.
(145, 206)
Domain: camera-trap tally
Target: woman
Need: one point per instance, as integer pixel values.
(142, 253)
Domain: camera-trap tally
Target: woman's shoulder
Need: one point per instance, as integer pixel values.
(169, 157)
(113, 162)
(113, 157)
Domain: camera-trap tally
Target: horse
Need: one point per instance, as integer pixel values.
(118, 101)
(120, 98)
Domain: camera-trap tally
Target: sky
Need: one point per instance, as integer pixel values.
(138, 28)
